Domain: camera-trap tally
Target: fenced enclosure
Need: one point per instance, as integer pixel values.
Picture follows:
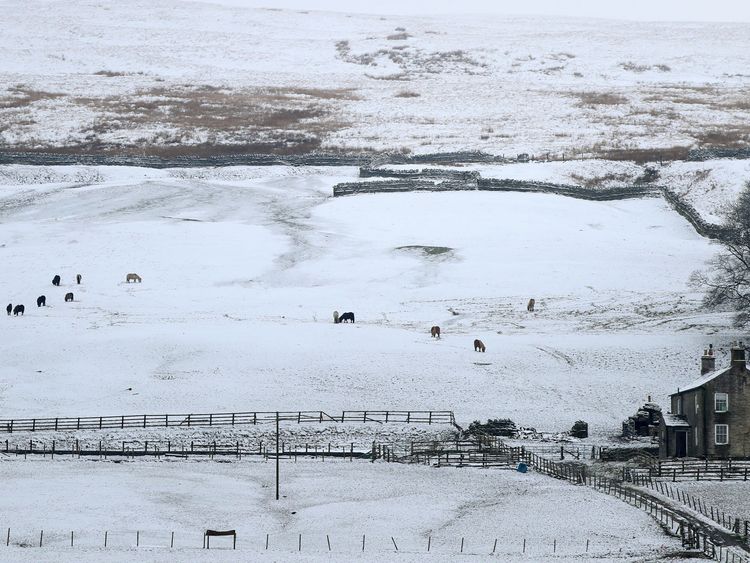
(694, 533)
(62, 424)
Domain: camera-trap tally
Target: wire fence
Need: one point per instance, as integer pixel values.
(221, 419)
(309, 543)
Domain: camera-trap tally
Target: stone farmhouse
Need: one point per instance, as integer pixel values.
(710, 417)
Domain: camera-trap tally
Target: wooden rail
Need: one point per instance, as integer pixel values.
(703, 470)
(67, 424)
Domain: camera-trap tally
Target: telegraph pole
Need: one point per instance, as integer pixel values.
(277, 455)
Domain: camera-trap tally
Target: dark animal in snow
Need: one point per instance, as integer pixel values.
(18, 309)
(346, 318)
(41, 301)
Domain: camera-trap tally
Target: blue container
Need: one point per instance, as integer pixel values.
(522, 468)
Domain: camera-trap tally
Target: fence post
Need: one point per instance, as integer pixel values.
(7, 540)
(41, 537)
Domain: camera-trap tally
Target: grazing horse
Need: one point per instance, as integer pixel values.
(56, 280)
(435, 332)
(346, 317)
(9, 308)
(479, 346)
(530, 306)
(68, 297)
(18, 309)
(78, 279)
(41, 301)
(133, 278)
(336, 319)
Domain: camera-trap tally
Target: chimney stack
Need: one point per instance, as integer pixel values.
(739, 364)
(708, 360)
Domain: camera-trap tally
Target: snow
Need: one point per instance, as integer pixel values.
(240, 278)
(78, 73)
(343, 500)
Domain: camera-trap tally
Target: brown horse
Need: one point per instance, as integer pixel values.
(435, 332)
(479, 346)
(133, 278)
(530, 306)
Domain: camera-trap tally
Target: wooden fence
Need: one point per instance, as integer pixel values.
(703, 470)
(220, 419)
(167, 448)
(694, 533)
(732, 524)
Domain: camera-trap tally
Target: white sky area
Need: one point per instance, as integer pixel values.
(659, 10)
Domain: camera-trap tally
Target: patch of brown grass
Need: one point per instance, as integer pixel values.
(641, 156)
(600, 99)
(22, 96)
(407, 94)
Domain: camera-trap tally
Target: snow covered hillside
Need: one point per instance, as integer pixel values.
(243, 267)
(164, 75)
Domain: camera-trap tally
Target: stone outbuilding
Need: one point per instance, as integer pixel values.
(710, 417)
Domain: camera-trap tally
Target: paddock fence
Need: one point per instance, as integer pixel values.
(738, 526)
(104, 449)
(703, 469)
(62, 424)
(724, 546)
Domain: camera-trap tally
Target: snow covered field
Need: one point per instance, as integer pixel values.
(173, 73)
(340, 499)
(242, 269)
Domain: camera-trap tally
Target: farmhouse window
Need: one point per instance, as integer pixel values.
(721, 434)
(721, 402)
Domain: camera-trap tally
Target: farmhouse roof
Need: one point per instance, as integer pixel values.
(675, 420)
(702, 380)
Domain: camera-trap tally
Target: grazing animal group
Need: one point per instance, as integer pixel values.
(41, 301)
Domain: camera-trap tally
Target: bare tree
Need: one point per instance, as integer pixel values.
(727, 282)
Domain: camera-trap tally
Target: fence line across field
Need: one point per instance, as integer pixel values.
(301, 542)
(221, 419)
(167, 448)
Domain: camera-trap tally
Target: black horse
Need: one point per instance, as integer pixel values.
(78, 279)
(68, 297)
(347, 318)
(18, 309)
(56, 280)
(9, 308)
(41, 301)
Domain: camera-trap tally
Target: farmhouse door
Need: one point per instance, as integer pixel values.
(680, 444)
